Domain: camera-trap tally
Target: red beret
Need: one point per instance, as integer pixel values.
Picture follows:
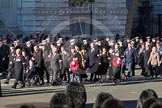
(158, 42)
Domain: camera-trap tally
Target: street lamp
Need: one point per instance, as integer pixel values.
(91, 17)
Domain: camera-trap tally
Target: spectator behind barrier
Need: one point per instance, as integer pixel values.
(149, 101)
(77, 92)
(101, 97)
(60, 100)
(144, 95)
(156, 105)
(112, 103)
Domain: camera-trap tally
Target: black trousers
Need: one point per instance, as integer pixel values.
(147, 70)
(40, 72)
(65, 71)
(93, 75)
(117, 73)
(154, 70)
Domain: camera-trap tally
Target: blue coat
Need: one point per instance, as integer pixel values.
(131, 55)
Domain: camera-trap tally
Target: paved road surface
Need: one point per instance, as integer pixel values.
(128, 92)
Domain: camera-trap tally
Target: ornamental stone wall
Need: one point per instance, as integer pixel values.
(45, 15)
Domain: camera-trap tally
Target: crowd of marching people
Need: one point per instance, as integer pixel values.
(70, 59)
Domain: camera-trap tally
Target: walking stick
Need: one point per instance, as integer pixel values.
(0, 89)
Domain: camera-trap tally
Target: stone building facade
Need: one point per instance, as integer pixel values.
(67, 17)
(148, 18)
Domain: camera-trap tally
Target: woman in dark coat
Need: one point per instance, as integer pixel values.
(110, 57)
(104, 63)
(141, 58)
(147, 52)
(84, 63)
(19, 68)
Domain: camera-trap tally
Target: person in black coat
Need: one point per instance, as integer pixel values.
(39, 62)
(11, 64)
(6, 51)
(136, 60)
(137, 43)
(102, 70)
(141, 58)
(29, 48)
(46, 61)
(55, 64)
(147, 53)
(92, 58)
(2, 58)
(110, 57)
(84, 63)
(65, 65)
(19, 69)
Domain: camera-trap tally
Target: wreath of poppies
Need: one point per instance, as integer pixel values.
(74, 65)
(117, 62)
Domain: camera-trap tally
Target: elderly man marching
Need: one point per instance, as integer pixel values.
(19, 69)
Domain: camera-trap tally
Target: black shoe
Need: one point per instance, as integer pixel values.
(156, 76)
(6, 82)
(14, 87)
(53, 84)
